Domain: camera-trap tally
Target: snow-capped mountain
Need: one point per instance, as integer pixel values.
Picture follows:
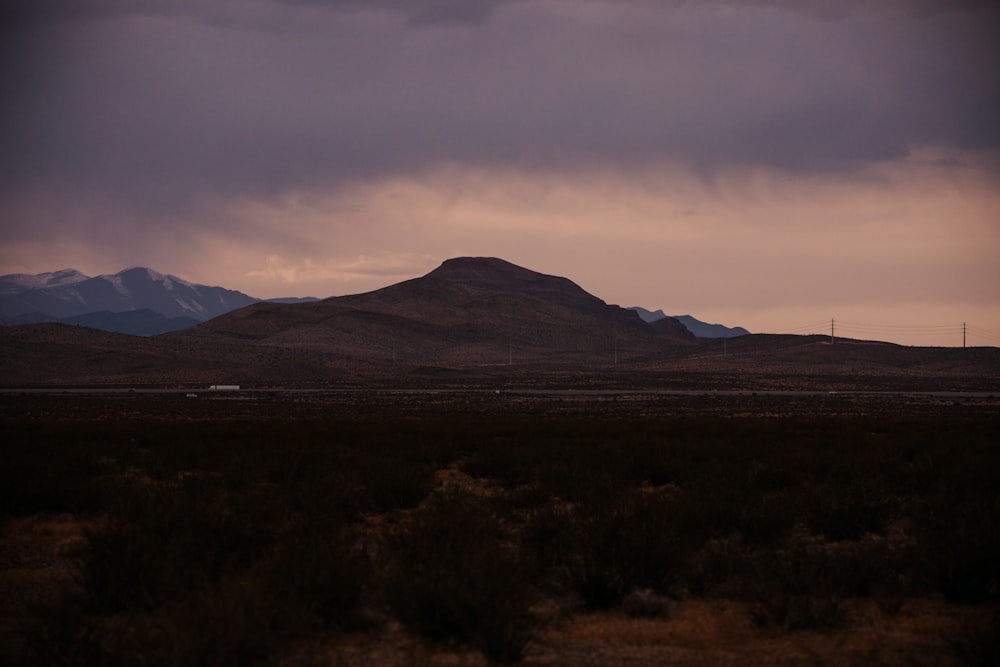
(19, 282)
(69, 293)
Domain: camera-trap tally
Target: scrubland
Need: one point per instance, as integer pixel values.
(473, 528)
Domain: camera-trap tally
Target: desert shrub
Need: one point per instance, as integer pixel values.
(511, 461)
(580, 480)
(633, 543)
(780, 572)
(719, 567)
(393, 482)
(715, 503)
(180, 588)
(163, 541)
(339, 482)
(524, 499)
(979, 646)
(240, 620)
(580, 460)
(646, 603)
(220, 542)
(872, 566)
(314, 483)
(847, 511)
(453, 575)
(548, 537)
(959, 546)
(767, 518)
(775, 607)
(795, 588)
(802, 583)
(325, 574)
(50, 469)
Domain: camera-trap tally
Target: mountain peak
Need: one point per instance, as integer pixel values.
(649, 315)
(18, 281)
(142, 271)
(63, 277)
(481, 269)
(492, 273)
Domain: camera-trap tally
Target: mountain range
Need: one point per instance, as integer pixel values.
(470, 312)
(697, 327)
(141, 301)
(136, 301)
(469, 321)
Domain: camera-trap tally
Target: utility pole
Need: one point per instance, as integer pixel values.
(963, 334)
(831, 331)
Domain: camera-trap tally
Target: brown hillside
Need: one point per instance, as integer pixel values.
(468, 310)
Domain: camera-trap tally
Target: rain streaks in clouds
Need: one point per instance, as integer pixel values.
(757, 163)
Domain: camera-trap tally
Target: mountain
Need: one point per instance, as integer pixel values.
(473, 322)
(671, 327)
(697, 327)
(142, 322)
(468, 310)
(20, 282)
(704, 330)
(69, 293)
(648, 315)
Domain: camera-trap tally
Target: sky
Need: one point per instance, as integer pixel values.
(772, 164)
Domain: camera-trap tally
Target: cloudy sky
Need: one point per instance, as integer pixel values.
(765, 163)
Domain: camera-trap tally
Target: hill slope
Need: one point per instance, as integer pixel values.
(468, 310)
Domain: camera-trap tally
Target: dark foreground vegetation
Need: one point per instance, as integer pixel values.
(232, 541)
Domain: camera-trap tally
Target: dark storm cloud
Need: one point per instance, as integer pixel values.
(157, 107)
(15, 14)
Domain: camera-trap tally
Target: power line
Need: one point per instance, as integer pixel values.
(943, 328)
(983, 333)
(810, 329)
(967, 331)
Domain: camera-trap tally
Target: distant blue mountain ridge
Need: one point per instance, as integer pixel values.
(137, 301)
(695, 326)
